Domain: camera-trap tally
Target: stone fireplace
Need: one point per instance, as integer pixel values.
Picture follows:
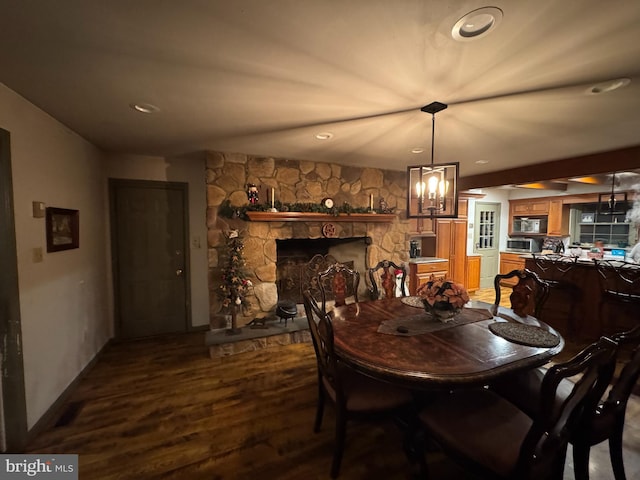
(298, 181)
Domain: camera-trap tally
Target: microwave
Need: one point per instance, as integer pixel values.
(524, 245)
(529, 225)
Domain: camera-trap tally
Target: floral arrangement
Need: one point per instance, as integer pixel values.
(439, 294)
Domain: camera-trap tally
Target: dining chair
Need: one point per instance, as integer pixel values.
(605, 421)
(620, 285)
(354, 395)
(555, 269)
(338, 283)
(383, 285)
(494, 438)
(530, 293)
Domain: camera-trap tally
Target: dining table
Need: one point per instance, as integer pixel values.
(397, 341)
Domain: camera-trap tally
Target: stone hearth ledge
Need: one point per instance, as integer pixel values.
(250, 339)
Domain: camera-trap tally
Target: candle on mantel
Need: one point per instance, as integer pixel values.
(273, 197)
(371, 202)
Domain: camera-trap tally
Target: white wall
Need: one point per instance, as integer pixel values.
(190, 170)
(64, 305)
(491, 195)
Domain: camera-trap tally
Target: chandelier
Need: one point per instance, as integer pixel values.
(432, 189)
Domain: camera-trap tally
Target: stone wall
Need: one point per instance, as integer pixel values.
(227, 176)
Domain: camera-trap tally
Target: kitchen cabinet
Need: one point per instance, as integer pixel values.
(558, 220)
(421, 226)
(420, 273)
(473, 273)
(529, 207)
(451, 243)
(510, 262)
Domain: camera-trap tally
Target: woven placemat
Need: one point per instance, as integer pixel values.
(524, 334)
(413, 301)
(426, 323)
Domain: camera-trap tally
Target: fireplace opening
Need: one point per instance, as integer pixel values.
(293, 256)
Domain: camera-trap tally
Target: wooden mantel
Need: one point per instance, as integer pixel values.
(319, 217)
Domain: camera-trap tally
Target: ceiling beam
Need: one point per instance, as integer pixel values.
(605, 162)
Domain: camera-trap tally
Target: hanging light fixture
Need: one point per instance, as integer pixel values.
(608, 204)
(432, 189)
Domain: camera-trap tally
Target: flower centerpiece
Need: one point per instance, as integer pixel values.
(442, 298)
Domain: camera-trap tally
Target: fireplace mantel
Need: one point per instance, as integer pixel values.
(319, 217)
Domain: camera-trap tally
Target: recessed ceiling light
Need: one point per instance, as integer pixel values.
(482, 162)
(144, 108)
(324, 135)
(476, 24)
(609, 86)
(417, 150)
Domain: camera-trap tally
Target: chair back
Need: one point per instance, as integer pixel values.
(619, 279)
(616, 402)
(383, 280)
(546, 442)
(321, 330)
(554, 266)
(338, 282)
(529, 294)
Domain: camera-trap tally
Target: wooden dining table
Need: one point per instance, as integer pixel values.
(395, 340)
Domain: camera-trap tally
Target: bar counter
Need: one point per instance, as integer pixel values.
(586, 323)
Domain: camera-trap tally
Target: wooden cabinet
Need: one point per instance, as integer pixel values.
(421, 226)
(529, 207)
(558, 220)
(510, 262)
(473, 273)
(451, 243)
(420, 273)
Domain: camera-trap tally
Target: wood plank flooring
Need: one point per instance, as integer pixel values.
(162, 409)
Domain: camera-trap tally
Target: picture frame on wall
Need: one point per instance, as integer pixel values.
(63, 229)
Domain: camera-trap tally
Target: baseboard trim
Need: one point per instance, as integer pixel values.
(50, 417)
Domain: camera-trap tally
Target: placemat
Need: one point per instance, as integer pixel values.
(524, 334)
(412, 301)
(426, 323)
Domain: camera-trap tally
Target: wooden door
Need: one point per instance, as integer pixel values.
(149, 232)
(486, 240)
(13, 418)
(451, 244)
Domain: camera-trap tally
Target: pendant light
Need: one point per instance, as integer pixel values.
(432, 189)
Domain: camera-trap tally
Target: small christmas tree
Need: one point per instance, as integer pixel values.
(235, 283)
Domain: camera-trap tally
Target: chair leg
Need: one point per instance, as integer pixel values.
(615, 451)
(319, 408)
(341, 430)
(581, 461)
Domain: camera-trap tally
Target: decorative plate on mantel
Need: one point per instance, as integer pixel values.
(319, 217)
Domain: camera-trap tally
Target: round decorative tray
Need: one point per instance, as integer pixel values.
(413, 301)
(525, 334)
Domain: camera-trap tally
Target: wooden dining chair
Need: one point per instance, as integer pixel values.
(494, 438)
(529, 294)
(353, 394)
(605, 421)
(383, 285)
(338, 283)
(556, 270)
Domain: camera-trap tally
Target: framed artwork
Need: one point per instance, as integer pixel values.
(62, 229)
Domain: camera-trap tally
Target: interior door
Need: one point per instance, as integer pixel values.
(486, 240)
(149, 232)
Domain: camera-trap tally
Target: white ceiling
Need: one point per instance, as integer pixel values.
(264, 76)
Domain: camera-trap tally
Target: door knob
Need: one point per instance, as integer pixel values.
(179, 272)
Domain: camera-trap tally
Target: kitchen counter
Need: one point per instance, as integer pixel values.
(588, 325)
(420, 260)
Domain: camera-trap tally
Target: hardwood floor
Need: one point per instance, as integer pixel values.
(161, 408)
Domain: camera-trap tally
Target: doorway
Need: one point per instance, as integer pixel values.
(486, 240)
(149, 226)
(13, 415)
